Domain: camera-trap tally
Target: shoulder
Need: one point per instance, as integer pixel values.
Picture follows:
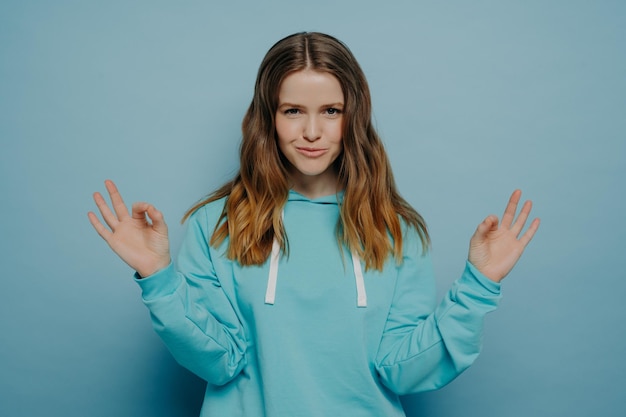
(412, 240)
(209, 214)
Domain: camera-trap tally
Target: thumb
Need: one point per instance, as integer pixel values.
(158, 222)
(139, 210)
(489, 224)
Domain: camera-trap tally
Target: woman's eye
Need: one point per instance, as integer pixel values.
(333, 111)
(291, 112)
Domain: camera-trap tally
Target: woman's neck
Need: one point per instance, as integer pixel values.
(315, 186)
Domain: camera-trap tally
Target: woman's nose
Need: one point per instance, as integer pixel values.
(312, 129)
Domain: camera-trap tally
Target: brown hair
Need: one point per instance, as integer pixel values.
(371, 208)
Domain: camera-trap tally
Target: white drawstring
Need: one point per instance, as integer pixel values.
(361, 296)
(270, 293)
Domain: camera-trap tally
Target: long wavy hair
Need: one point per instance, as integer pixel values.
(372, 207)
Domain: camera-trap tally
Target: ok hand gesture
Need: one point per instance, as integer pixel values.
(140, 238)
(495, 249)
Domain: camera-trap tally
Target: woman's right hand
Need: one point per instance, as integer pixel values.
(140, 238)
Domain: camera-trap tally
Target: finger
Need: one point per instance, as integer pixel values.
(528, 235)
(138, 211)
(102, 231)
(105, 211)
(489, 224)
(149, 214)
(116, 200)
(511, 208)
(158, 222)
(522, 217)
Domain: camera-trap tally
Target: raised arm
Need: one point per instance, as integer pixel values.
(422, 349)
(188, 308)
(139, 238)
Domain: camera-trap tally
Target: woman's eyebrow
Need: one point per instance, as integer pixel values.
(286, 104)
(337, 104)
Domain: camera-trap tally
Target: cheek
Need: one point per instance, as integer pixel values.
(280, 137)
(337, 133)
(284, 130)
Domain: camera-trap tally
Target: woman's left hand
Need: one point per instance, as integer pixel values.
(495, 248)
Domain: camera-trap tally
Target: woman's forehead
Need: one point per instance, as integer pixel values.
(315, 87)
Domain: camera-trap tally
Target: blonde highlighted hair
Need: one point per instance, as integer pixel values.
(372, 208)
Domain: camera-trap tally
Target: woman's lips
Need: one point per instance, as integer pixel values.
(311, 152)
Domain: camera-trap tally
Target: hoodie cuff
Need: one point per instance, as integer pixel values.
(489, 285)
(160, 284)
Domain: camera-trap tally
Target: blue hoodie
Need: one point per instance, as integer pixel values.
(312, 333)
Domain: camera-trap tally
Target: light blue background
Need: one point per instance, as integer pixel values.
(473, 99)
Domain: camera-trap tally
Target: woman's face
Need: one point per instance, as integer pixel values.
(309, 123)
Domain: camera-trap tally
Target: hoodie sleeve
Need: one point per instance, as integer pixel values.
(422, 349)
(191, 312)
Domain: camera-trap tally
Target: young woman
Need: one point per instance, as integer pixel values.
(304, 286)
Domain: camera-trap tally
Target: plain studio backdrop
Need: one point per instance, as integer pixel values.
(473, 99)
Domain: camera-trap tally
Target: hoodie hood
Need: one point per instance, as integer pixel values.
(336, 199)
(272, 279)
